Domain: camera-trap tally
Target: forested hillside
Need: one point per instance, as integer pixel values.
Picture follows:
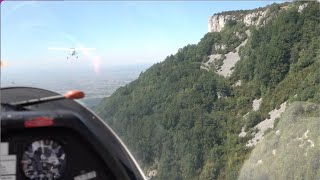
(182, 121)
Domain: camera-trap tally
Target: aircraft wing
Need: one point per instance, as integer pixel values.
(66, 49)
(59, 49)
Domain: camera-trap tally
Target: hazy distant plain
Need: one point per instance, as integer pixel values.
(95, 85)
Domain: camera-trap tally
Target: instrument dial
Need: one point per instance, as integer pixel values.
(44, 160)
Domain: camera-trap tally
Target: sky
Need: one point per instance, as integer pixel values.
(122, 33)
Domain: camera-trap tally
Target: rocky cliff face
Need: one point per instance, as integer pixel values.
(217, 22)
(257, 18)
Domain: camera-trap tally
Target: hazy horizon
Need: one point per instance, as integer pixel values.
(95, 85)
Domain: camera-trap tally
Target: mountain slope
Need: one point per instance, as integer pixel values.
(182, 118)
(291, 149)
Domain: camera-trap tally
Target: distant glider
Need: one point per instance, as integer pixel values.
(72, 52)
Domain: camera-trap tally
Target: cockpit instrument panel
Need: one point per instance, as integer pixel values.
(47, 136)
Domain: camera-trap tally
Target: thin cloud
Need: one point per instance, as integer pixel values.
(20, 5)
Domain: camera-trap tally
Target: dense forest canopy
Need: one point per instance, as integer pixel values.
(184, 122)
